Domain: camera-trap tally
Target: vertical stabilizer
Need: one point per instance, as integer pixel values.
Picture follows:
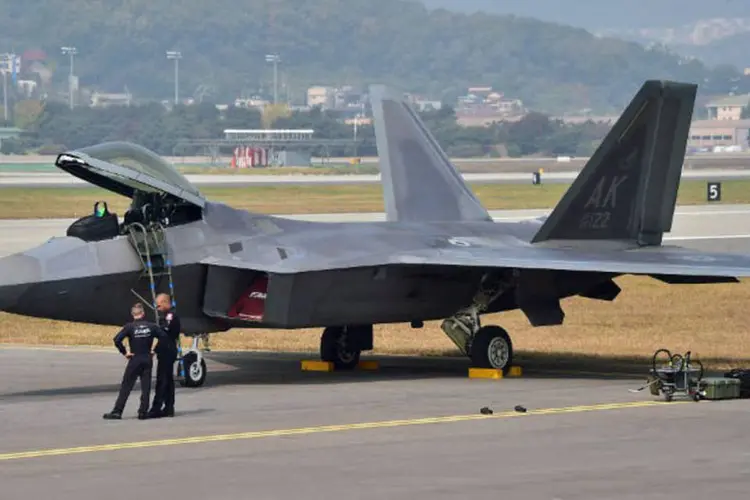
(419, 181)
(628, 189)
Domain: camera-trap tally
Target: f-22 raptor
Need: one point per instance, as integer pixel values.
(438, 256)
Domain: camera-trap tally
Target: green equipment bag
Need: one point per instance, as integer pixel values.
(720, 388)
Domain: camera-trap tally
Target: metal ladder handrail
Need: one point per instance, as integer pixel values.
(143, 249)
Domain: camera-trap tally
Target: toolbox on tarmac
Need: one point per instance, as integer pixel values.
(713, 388)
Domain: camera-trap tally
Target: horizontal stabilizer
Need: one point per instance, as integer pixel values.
(659, 261)
(420, 183)
(693, 280)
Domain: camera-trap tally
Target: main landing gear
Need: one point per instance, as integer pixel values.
(487, 346)
(342, 346)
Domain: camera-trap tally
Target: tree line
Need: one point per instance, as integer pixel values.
(52, 127)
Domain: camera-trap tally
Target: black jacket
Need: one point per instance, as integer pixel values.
(171, 328)
(140, 335)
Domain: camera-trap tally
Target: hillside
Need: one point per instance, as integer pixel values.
(714, 41)
(729, 50)
(715, 32)
(223, 43)
(596, 15)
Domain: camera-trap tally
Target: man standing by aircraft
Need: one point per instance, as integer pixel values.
(141, 335)
(163, 404)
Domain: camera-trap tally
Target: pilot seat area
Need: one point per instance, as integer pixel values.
(146, 208)
(101, 225)
(151, 207)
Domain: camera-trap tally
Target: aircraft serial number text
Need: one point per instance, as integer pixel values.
(595, 220)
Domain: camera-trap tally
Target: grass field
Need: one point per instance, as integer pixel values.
(329, 169)
(647, 316)
(43, 202)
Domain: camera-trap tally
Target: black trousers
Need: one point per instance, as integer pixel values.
(164, 396)
(137, 367)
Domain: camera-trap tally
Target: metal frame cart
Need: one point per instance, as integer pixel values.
(674, 373)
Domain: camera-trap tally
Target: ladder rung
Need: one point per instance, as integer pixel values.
(150, 244)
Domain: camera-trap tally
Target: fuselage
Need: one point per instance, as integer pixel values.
(318, 272)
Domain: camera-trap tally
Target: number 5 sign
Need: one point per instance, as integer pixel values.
(713, 191)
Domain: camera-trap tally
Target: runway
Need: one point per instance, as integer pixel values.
(261, 428)
(60, 180)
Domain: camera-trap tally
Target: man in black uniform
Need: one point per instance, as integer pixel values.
(166, 353)
(141, 335)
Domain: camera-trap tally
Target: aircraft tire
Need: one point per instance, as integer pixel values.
(492, 348)
(195, 373)
(333, 349)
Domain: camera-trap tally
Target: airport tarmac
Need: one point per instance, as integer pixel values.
(10, 179)
(261, 428)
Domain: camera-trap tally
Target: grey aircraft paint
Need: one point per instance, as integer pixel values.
(426, 262)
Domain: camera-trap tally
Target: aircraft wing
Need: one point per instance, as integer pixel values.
(663, 260)
(477, 252)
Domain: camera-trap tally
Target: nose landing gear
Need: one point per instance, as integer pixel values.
(342, 346)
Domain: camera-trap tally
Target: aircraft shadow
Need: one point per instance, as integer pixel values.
(268, 368)
(252, 368)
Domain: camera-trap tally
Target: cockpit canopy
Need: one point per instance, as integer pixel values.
(127, 169)
(159, 193)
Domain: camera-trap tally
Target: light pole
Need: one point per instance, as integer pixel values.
(70, 51)
(176, 55)
(5, 94)
(274, 58)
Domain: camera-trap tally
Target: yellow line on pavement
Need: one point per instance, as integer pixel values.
(302, 431)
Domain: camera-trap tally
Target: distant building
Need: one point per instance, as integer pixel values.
(287, 158)
(104, 100)
(358, 120)
(28, 87)
(347, 98)
(321, 96)
(480, 91)
(727, 108)
(10, 64)
(253, 102)
(747, 71)
(9, 133)
(482, 105)
(710, 134)
(423, 105)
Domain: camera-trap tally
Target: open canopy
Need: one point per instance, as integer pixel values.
(123, 168)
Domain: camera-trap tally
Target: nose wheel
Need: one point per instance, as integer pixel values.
(191, 368)
(343, 346)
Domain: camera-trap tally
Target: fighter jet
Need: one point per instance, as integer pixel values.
(438, 256)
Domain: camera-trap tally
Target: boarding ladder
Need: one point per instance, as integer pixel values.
(150, 243)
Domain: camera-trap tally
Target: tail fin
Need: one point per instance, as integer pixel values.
(419, 182)
(628, 189)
